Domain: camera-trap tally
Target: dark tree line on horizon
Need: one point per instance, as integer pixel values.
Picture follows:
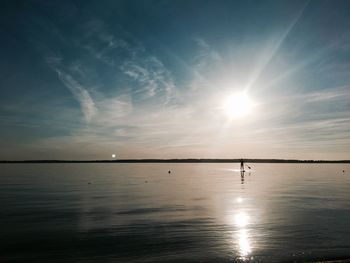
(190, 160)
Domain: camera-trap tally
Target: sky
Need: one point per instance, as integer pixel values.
(152, 79)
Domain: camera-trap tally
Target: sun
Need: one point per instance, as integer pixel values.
(238, 106)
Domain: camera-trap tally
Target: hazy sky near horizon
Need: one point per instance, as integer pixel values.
(148, 79)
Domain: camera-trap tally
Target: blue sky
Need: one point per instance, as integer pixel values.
(148, 79)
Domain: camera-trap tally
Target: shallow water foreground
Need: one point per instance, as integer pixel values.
(197, 213)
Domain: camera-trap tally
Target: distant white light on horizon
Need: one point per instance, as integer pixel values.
(113, 155)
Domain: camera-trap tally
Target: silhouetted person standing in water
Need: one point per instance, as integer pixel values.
(242, 165)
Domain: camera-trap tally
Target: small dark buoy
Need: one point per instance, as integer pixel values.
(169, 172)
(343, 171)
(146, 181)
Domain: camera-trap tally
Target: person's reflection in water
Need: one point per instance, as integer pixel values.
(242, 177)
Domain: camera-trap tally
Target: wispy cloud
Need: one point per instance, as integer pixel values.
(333, 94)
(113, 111)
(206, 55)
(151, 75)
(146, 72)
(100, 43)
(87, 105)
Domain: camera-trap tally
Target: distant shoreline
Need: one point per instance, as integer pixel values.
(179, 161)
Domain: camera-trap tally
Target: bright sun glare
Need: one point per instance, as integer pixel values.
(238, 106)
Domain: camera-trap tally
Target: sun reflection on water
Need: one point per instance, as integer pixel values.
(244, 243)
(239, 199)
(242, 237)
(241, 219)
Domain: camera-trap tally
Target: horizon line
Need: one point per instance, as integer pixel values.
(181, 160)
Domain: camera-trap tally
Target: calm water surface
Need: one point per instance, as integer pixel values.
(198, 213)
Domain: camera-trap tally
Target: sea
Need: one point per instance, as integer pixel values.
(174, 212)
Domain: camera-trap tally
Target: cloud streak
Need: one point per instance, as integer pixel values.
(87, 105)
(151, 75)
